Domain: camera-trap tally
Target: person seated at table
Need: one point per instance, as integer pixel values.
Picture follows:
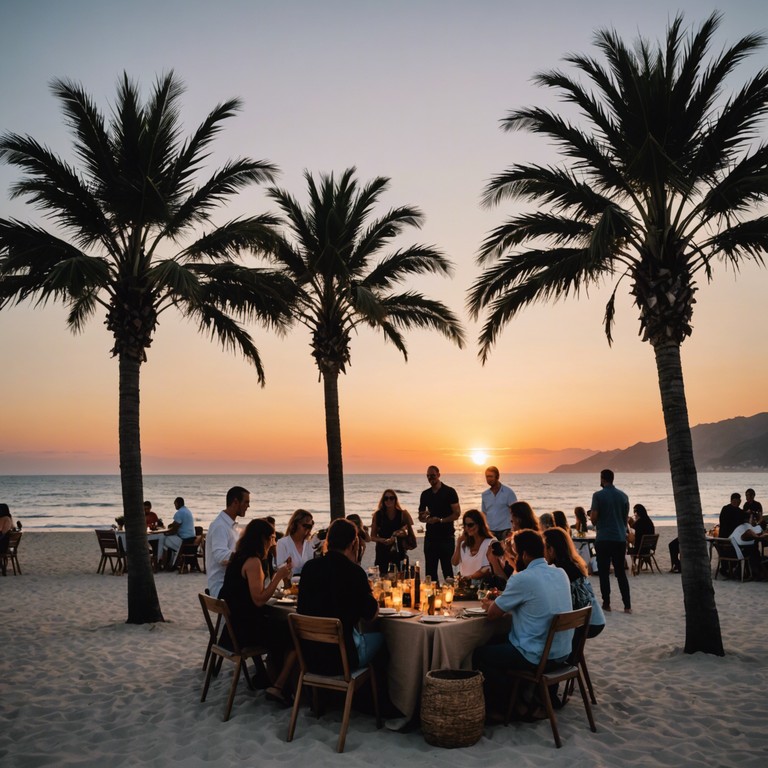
(180, 531)
(561, 521)
(362, 535)
(522, 517)
(150, 517)
(471, 552)
(335, 586)
(748, 537)
(560, 552)
(6, 526)
(546, 520)
(582, 524)
(641, 526)
(296, 543)
(246, 591)
(392, 530)
(534, 594)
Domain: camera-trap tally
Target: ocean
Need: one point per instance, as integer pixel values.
(78, 502)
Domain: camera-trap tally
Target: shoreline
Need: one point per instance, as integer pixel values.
(84, 688)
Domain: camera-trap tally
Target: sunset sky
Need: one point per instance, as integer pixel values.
(409, 90)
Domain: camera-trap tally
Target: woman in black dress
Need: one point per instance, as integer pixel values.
(246, 591)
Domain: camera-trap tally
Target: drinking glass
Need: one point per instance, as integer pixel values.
(482, 594)
(448, 598)
(397, 599)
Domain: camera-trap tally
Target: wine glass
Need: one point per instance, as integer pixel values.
(397, 599)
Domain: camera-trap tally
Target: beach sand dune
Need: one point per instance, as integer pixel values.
(79, 687)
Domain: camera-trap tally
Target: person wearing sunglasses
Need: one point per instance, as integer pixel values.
(471, 552)
(296, 544)
(392, 530)
(438, 508)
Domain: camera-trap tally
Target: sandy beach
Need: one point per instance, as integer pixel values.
(79, 687)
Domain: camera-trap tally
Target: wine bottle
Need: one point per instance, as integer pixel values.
(417, 586)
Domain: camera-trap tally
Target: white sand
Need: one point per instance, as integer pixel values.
(80, 687)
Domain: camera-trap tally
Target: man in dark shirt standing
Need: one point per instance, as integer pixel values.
(731, 517)
(752, 507)
(609, 513)
(336, 586)
(438, 508)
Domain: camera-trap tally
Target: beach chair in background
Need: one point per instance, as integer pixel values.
(11, 553)
(237, 655)
(110, 552)
(319, 629)
(543, 678)
(643, 556)
(733, 562)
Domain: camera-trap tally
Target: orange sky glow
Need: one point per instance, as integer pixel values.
(552, 391)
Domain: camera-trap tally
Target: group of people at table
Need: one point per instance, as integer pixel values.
(536, 567)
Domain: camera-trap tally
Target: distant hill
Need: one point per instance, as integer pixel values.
(737, 444)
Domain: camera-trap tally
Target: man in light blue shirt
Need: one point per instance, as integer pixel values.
(533, 596)
(180, 530)
(495, 503)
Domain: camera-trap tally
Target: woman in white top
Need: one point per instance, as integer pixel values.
(471, 553)
(297, 543)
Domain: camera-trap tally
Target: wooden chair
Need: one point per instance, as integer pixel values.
(237, 655)
(643, 556)
(318, 629)
(189, 556)
(726, 553)
(111, 552)
(542, 677)
(214, 633)
(11, 553)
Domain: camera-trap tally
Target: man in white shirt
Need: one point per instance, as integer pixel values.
(495, 502)
(222, 537)
(747, 540)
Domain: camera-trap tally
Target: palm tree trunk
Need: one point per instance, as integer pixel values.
(333, 442)
(702, 624)
(143, 603)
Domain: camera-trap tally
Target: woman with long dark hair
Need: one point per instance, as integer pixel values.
(523, 517)
(392, 530)
(560, 552)
(471, 552)
(246, 591)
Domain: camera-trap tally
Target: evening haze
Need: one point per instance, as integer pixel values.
(409, 90)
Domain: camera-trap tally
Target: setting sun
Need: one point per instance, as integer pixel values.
(479, 457)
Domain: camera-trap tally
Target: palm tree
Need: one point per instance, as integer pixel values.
(130, 203)
(664, 179)
(342, 282)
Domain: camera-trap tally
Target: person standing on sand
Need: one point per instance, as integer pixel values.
(222, 537)
(609, 513)
(731, 516)
(495, 503)
(438, 508)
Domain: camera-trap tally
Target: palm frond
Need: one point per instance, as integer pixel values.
(418, 259)
(227, 242)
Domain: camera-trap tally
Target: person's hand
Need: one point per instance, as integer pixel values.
(487, 602)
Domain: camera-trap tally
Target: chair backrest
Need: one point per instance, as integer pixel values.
(725, 549)
(107, 539)
(648, 544)
(14, 538)
(562, 622)
(219, 607)
(318, 629)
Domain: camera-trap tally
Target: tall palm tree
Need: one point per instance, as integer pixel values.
(120, 219)
(333, 255)
(663, 178)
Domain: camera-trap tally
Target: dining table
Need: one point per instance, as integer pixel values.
(156, 540)
(419, 643)
(423, 644)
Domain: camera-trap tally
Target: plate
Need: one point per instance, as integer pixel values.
(387, 611)
(475, 611)
(436, 619)
(396, 614)
(287, 601)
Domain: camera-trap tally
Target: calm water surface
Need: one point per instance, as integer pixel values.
(75, 502)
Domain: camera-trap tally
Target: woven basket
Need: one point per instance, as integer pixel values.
(452, 708)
